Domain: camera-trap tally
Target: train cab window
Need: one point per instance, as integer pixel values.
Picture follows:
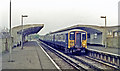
(72, 36)
(83, 36)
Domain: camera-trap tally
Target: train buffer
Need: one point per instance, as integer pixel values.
(31, 57)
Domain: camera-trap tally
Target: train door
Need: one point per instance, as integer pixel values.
(54, 40)
(78, 40)
(66, 41)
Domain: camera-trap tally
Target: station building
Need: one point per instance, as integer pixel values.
(4, 40)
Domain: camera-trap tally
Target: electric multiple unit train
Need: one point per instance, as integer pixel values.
(70, 41)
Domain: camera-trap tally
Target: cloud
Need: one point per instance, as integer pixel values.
(57, 14)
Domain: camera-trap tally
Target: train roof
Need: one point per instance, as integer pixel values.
(66, 31)
(76, 30)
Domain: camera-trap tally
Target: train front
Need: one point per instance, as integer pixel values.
(80, 41)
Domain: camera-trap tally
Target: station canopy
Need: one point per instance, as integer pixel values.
(87, 28)
(30, 29)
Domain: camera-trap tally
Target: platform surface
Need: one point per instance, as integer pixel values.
(109, 50)
(31, 57)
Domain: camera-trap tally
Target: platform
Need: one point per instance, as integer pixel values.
(109, 50)
(31, 57)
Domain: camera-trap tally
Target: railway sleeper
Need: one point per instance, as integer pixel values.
(113, 60)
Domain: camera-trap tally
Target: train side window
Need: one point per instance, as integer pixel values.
(59, 37)
(63, 37)
(88, 35)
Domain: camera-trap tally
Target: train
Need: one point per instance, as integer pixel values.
(70, 41)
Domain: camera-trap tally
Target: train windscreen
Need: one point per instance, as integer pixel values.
(72, 36)
(83, 36)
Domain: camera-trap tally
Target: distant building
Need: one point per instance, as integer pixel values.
(4, 40)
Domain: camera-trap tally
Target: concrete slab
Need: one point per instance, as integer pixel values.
(110, 50)
(31, 57)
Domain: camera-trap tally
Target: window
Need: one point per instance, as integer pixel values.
(72, 36)
(83, 36)
(95, 35)
(115, 34)
(109, 32)
(63, 36)
(88, 35)
(119, 33)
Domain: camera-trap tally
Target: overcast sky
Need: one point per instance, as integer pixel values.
(58, 14)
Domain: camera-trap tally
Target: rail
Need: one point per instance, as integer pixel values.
(109, 58)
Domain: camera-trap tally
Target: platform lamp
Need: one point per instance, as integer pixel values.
(10, 51)
(105, 31)
(22, 29)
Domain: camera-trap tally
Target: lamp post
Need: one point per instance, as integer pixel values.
(10, 49)
(22, 29)
(105, 31)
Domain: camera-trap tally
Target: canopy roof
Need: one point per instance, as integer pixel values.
(28, 29)
(88, 28)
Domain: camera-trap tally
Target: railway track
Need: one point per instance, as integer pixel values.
(79, 62)
(75, 64)
(94, 65)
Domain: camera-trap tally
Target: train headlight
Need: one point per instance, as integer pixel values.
(84, 44)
